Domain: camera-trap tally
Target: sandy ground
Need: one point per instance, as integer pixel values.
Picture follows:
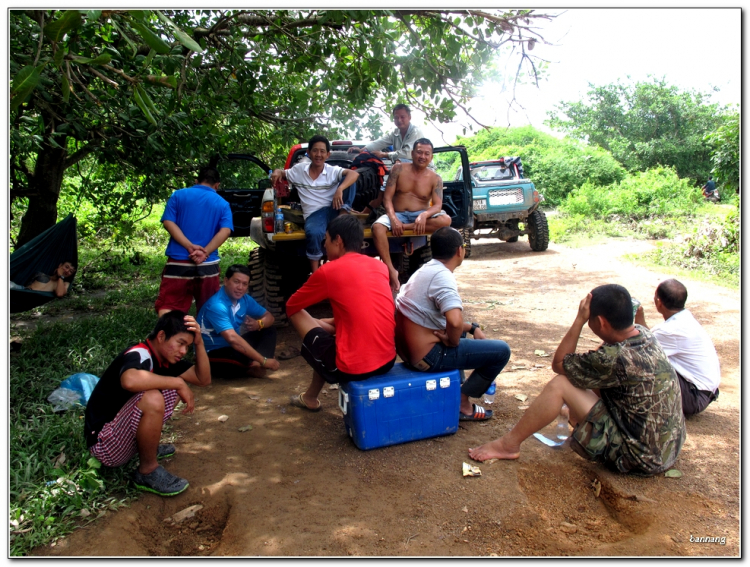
(295, 485)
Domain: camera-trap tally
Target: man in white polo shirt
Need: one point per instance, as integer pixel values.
(321, 188)
(687, 345)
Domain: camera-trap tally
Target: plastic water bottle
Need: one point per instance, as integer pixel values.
(489, 395)
(279, 224)
(562, 423)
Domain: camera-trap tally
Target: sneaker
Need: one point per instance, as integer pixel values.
(160, 482)
(165, 451)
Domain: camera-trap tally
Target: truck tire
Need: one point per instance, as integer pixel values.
(536, 224)
(419, 258)
(271, 284)
(466, 233)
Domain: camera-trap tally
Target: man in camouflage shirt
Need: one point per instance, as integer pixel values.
(623, 398)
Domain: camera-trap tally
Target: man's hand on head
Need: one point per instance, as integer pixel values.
(194, 328)
(584, 309)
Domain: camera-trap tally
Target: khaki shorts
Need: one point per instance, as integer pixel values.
(597, 438)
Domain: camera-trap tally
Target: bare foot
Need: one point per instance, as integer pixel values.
(256, 370)
(393, 276)
(494, 450)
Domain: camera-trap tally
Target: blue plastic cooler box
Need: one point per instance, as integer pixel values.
(400, 406)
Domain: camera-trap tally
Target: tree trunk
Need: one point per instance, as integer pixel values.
(44, 188)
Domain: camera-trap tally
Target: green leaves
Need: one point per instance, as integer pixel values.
(102, 59)
(25, 81)
(70, 20)
(144, 102)
(181, 36)
(152, 40)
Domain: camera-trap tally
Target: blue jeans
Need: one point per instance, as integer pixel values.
(317, 222)
(487, 358)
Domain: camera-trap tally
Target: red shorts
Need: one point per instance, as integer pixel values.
(116, 444)
(181, 281)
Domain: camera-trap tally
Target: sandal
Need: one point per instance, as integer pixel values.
(160, 482)
(298, 401)
(479, 414)
(165, 451)
(288, 353)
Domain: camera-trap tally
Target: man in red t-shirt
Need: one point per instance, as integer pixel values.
(359, 340)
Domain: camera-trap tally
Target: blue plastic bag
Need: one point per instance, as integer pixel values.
(75, 389)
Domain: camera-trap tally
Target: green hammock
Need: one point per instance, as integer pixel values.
(41, 254)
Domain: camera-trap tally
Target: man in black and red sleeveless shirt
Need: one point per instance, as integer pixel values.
(137, 394)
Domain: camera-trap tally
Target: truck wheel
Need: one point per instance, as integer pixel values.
(466, 233)
(419, 258)
(536, 224)
(265, 284)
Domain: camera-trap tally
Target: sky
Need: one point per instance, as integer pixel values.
(691, 48)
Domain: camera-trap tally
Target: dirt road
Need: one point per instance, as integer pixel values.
(295, 485)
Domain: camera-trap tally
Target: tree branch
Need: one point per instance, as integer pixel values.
(41, 37)
(81, 153)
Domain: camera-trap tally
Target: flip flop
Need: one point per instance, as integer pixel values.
(479, 414)
(288, 353)
(299, 402)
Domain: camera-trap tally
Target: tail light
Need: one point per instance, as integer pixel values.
(536, 197)
(267, 216)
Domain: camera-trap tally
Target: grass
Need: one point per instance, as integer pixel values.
(55, 484)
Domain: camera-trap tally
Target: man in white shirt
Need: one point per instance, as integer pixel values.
(402, 138)
(321, 188)
(687, 345)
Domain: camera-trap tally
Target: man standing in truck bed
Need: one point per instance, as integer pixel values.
(413, 200)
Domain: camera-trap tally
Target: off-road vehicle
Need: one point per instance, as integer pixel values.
(506, 205)
(278, 263)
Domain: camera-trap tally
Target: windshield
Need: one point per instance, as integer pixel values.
(493, 172)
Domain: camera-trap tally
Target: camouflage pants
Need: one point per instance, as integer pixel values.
(597, 438)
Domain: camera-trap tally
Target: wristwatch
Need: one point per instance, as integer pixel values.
(474, 327)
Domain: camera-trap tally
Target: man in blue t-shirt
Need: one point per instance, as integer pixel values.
(198, 221)
(238, 333)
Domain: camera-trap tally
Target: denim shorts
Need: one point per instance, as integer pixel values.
(406, 217)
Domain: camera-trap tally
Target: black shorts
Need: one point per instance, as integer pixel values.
(694, 400)
(229, 363)
(319, 350)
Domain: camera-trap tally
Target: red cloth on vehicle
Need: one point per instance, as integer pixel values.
(363, 310)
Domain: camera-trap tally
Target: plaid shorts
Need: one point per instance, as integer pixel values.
(116, 443)
(597, 438)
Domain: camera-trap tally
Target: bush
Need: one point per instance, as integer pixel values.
(655, 192)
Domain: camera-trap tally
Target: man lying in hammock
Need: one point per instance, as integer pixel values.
(56, 282)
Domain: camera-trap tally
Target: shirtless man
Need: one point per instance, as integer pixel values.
(410, 189)
(56, 282)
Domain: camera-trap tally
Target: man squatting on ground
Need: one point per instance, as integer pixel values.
(687, 345)
(413, 200)
(238, 332)
(623, 398)
(198, 222)
(324, 190)
(430, 330)
(137, 394)
(358, 342)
